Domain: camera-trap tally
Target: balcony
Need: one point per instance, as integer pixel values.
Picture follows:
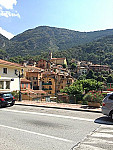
(45, 89)
(47, 83)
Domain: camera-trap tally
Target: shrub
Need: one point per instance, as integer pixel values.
(25, 93)
(87, 97)
(94, 96)
(104, 94)
(15, 94)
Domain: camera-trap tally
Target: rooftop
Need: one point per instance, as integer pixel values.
(4, 62)
(58, 58)
(25, 80)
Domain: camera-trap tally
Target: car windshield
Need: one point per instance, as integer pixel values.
(111, 97)
(7, 95)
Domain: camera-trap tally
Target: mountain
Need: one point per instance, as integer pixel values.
(45, 38)
(3, 41)
(36, 43)
(100, 51)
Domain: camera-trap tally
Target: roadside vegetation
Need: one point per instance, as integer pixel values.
(89, 87)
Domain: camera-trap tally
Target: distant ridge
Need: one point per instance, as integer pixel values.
(45, 38)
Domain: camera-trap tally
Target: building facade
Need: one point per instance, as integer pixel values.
(43, 64)
(9, 80)
(48, 82)
(34, 76)
(52, 82)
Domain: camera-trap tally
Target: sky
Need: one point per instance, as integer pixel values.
(16, 16)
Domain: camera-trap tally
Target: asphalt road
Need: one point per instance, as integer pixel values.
(33, 128)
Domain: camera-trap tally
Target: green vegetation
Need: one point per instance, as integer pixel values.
(94, 96)
(37, 43)
(80, 91)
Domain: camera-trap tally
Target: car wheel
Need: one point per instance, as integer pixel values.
(111, 115)
(12, 104)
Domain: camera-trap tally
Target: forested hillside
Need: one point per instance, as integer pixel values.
(45, 38)
(36, 43)
(94, 51)
(102, 48)
(3, 41)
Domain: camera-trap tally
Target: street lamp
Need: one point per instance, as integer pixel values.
(20, 75)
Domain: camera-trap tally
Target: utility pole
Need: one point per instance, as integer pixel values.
(20, 75)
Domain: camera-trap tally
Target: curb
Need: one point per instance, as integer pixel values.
(65, 108)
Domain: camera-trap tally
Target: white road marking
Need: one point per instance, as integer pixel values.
(39, 134)
(50, 115)
(102, 135)
(89, 147)
(98, 140)
(106, 131)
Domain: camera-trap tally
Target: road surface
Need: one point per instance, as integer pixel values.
(33, 128)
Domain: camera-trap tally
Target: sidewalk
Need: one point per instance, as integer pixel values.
(55, 105)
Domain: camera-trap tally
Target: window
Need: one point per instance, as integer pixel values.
(22, 85)
(5, 70)
(50, 88)
(16, 71)
(34, 78)
(7, 84)
(1, 84)
(27, 85)
(34, 82)
(111, 97)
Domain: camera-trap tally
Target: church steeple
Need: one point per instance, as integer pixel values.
(50, 55)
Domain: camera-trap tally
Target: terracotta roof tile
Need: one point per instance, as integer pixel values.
(9, 63)
(49, 73)
(34, 91)
(25, 80)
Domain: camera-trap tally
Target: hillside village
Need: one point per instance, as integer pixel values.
(43, 79)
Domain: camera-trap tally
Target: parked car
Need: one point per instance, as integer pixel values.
(107, 105)
(6, 98)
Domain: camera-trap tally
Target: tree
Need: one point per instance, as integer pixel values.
(90, 75)
(73, 66)
(110, 79)
(89, 84)
(72, 89)
(64, 65)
